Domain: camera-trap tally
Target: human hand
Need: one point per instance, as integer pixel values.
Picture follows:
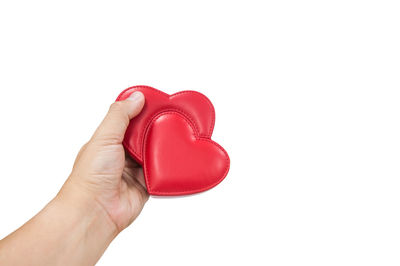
(105, 174)
(103, 195)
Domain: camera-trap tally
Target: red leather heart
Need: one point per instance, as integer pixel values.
(177, 161)
(194, 105)
(171, 139)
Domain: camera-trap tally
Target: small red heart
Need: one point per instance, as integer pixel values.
(177, 160)
(194, 105)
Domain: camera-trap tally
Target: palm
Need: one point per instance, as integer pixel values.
(117, 181)
(131, 195)
(134, 186)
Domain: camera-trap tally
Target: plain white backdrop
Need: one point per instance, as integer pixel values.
(307, 105)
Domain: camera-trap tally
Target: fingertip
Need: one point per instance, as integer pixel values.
(136, 96)
(137, 99)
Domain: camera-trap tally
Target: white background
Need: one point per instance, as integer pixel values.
(307, 104)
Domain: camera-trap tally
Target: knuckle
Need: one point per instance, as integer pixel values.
(108, 140)
(116, 107)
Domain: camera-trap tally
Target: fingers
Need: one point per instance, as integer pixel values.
(113, 127)
(140, 179)
(129, 162)
(140, 185)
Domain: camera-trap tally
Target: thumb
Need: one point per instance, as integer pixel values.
(114, 125)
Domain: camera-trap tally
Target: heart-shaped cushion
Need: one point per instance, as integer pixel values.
(193, 104)
(171, 139)
(177, 161)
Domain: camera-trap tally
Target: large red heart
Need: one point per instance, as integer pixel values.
(171, 139)
(177, 161)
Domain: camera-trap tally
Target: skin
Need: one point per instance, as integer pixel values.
(104, 194)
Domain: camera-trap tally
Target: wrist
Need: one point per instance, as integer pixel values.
(82, 222)
(92, 218)
(70, 230)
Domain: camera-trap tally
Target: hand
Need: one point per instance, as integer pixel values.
(103, 195)
(108, 176)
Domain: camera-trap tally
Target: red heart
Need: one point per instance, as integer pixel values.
(177, 161)
(194, 105)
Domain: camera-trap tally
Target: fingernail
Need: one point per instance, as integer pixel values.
(135, 96)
